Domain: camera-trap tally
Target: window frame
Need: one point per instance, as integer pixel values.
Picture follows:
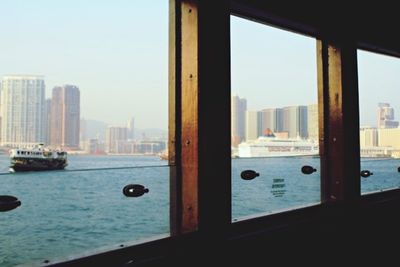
(199, 129)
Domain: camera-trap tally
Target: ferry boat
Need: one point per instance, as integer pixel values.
(271, 146)
(37, 158)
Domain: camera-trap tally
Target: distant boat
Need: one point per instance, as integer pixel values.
(37, 158)
(163, 155)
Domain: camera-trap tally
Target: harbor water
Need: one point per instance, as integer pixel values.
(82, 210)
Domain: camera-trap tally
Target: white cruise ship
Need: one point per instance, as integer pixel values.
(272, 146)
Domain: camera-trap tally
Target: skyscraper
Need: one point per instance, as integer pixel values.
(295, 121)
(65, 116)
(22, 110)
(47, 121)
(115, 136)
(253, 125)
(386, 116)
(279, 120)
(312, 120)
(130, 125)
(238, 119)
(268, 120)
(368, 137)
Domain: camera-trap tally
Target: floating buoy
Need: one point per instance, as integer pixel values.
(308, 169)
(8, 203)
(249, 174)
(365, 173)
(134, 190)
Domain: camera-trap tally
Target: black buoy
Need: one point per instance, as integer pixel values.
(249, 174)
(134, 190)
(8, 203)
(398, 169)
(308, 169)
(365, 173)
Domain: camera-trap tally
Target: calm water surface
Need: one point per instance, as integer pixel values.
(67, 213)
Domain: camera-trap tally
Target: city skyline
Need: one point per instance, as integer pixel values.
(28, 118)
(290, 122)
(125, 59)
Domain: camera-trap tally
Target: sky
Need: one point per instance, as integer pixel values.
(276, 68)
(116, 52)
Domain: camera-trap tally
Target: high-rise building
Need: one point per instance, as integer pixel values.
(268, 120)
(312, 121)
(92, 146)
(23, 110)
(130, 125)
(389, 137)
(253, 125)
(386, 116)
(65, 116)
(47, 121)
(368, 137)
(238, 119)
(115, 136)
(295, 121)
(279, 120)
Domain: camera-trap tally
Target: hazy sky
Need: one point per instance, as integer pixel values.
(271, 67)
(275, 68)
(117, 53)
(378, 81)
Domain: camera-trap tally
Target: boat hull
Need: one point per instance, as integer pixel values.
(21, 165)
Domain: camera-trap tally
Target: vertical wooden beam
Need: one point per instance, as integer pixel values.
(202, 187)
(339, 121)
(174, 118)
(189, 115)
(323, 113)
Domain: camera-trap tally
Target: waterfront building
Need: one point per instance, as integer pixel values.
(368, 137)
(115, 138)
(65, 116)
(271, 119)
(47, 121)
(386, 116)
(312, 121)
(130, 125)
(389, 137)
(295, 121)
(23, 110)
(238, 119)
(253, 125)
(93, 146)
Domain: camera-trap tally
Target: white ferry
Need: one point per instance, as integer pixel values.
(37, 158)
(272, 146)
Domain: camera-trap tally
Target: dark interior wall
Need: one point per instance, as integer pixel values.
(372, 26)
(361, 235)
(367, 233)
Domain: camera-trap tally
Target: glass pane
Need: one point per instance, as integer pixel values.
(274, 120)
(66, 213)
(379, 121)
(84, 94)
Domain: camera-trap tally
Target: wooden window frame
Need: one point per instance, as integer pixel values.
(199, 131)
